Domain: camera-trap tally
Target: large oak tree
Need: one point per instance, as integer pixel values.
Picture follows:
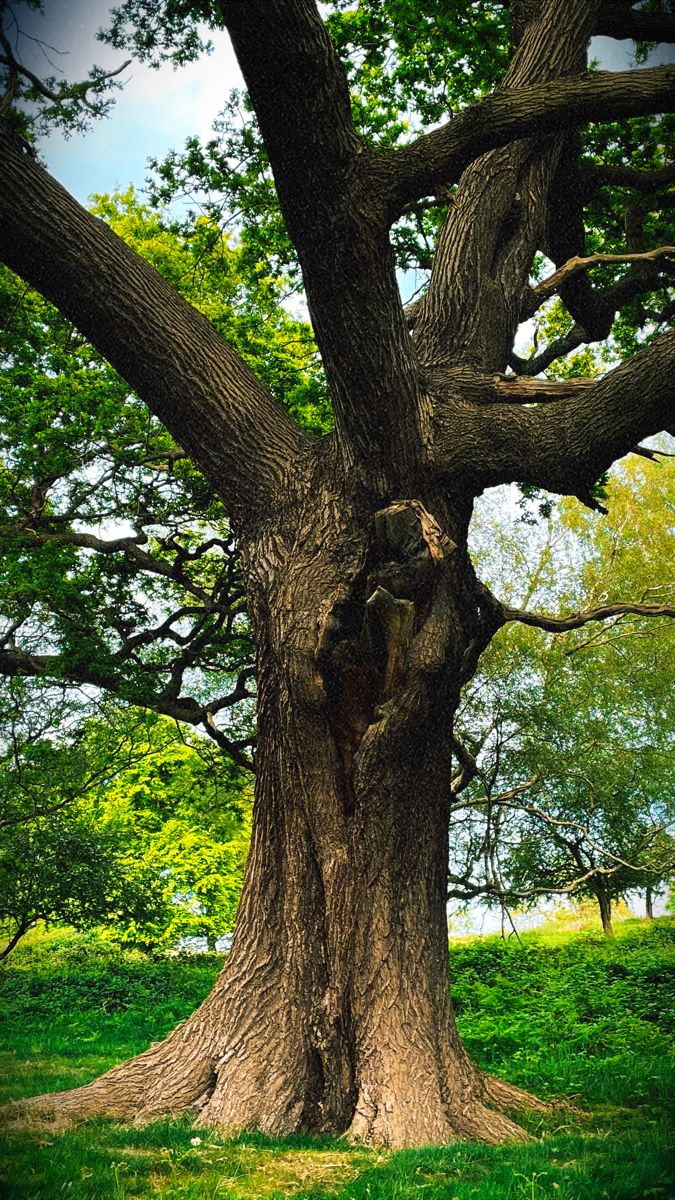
(333, 1010)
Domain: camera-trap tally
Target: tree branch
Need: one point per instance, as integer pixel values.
(74, 91)
(17, 663)
(517, 389)
(577, 620)
(468, 764)
(616, 19)
(562, 447)
(130, 547)
(437, 159)
(338, 225)
(595, 175)
(600, 309)
(623, 22)
(576, 266)
(200, 388)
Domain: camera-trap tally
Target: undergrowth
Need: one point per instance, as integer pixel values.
(576, 1017)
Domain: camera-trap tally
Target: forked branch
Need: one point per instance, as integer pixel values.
(577, 265)
(563, 446)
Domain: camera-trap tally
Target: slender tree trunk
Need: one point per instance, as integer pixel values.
(649, 903)
(605, 906)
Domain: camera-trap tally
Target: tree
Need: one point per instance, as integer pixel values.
(57, 862)
(567, 786)
(183, 821)
(333, 1010)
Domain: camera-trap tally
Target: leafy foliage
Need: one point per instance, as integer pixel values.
(573, 788)
(117, 559)
(124, 823)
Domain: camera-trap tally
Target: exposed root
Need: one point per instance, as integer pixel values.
(506, 1096)
(482, 1124)
(171, 1078)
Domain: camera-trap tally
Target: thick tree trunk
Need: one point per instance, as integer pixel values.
(333, 1010)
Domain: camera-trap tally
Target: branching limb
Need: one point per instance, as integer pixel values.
(595, 175)
(565, 446)
(617, 20)
(198, 386)
(130, 547)
(601, 309)
(72, 91)
(15, 662)
(437, 159)
(577, 620)
(576, 266)
(337, 220)
(503, 798)
(468, 764)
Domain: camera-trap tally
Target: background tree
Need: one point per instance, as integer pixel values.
(333, 1010)
(567, 784)
(58, 863)
(118, 820)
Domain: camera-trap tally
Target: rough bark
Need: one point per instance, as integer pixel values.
(333, 1011)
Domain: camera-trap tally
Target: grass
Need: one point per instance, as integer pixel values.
(567, 1015)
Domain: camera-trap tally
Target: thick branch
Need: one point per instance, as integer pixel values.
(615, 19)
(623, 22)
(562, 447)
(595, 175)
(438, 158)
(168, 352)
(338, 225)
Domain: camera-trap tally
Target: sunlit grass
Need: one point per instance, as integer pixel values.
(573, 1017)
(602, 1158)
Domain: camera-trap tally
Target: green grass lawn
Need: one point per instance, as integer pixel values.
(565, 1015)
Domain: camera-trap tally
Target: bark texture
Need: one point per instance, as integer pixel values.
(333, 1011)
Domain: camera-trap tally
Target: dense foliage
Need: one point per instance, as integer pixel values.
(125, 822)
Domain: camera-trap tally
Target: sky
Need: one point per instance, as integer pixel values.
(154, 113)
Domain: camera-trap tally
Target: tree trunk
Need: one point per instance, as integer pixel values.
(649, 903)
(333, 1012)
(605, 906)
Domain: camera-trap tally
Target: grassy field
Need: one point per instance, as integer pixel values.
(565, 1015)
